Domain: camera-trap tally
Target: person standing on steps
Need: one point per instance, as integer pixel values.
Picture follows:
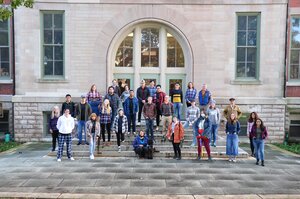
(83, 112)
(204, 97)
(65, 125)
(159, 100)
(149, 113)
(142, 94)
(93, 133)
(232, 139)
(120, 127)
(152, 90)
(131, 107)
(68, 104)
(214, 117)
(52, 126)
(251, 120)
(117, 89)
(114, 102)
(94, 99)
(176, 135)
(232, 108)
(192, 114)
(176, 98)
(125, 94)
(203, 126)
(190, 94)
(259, 134)
(167, 112)
(105, 120)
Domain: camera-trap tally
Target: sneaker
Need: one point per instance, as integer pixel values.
(199, 157)
(230, 160)
(156, 129)
(209, 159)
(128, 134)
(92, 157)
(178, 158)
(234, 160)
(71, 158)
(119, 149)
(138, 123)
(58, 160)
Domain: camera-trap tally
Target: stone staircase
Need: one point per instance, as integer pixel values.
(163, 149)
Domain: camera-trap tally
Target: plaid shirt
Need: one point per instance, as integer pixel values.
(124, 124)
(105, 118)
(190, 95)
(152, 91)
(192, 113)
(92, 96)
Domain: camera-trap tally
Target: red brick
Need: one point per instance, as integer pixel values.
(293, 91)
(294, 3)
(6, 89)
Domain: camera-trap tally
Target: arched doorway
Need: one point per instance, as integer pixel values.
(150, 50)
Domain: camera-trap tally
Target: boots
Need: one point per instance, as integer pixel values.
(263, 163)
(257, 161)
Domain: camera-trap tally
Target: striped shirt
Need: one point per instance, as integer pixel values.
(192, 113)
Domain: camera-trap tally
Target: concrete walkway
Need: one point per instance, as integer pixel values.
(28, 172)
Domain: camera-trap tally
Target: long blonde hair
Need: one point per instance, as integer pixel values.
(53, 114)
(105, 105)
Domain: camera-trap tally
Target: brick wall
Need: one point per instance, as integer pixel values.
(294, 3)
(6, 89)
(293, 91)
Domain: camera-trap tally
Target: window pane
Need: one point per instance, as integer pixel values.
(48, 67)
(252, 23)
(58, 21)
(4, 69)
(4, 54)
(4, 38)
(180, 57)
(59, 53)
(47, 21)
(295, 57)
(48, 53)
(251, 69)
(241, 52)
(251, 38)
(295, 40)
(242, 22)
(48, 37)
(149, 47)
(242, 38)
(124, 53)
(240, 70)
(294, 73)
(251, 54)
(58, 37)
(4, 25)
(58, 68)
(175, 57)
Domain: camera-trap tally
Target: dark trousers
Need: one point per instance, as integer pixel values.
(177, 150)
(141, 104)
(149, 128)
(131, 121)
(202, 140)
(103, 131)
(120, 137)
(54, 138)
(141, 151)
(158, 115)
(251, 146)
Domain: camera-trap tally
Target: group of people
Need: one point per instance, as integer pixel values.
(116, 112)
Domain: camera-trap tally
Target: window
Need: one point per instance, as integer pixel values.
(247, 46)
(46, 119)
(295, 49)
(4, 50)
(125, 52)
(150, 47)
(53, 44)
(175, 54)
(4, 121)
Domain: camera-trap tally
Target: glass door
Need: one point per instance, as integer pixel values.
(124, 79)
(149, 77)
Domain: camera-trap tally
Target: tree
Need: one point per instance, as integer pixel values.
(7, 7)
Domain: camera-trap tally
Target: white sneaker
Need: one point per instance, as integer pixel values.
(138, 124)
(71, 158)
(234, 160)
(134, 133)
(92, 157)
(58, 160)
(230, 160)
(119, 149)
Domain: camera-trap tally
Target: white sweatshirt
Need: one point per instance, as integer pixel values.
(65, 125)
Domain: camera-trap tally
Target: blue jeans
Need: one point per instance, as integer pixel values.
(232, 145)
(195, 131)
(259, 146)
(149, 128)
(80, 127)
(177, 109)
(94, 105)
(92, 144)
(214, 133)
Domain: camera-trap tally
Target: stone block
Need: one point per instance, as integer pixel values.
(28, 117)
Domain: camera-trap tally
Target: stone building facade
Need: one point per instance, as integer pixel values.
(236, 47)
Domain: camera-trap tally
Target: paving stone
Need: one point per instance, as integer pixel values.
(92, 190)
(160, 197)
(130, 190)
(227, 196)
(164, 176)
(168, 190)
(147, 183)
(92, 196)
(12, 183)
(279, 196)
(44, 189)
(42, 182)
(81, 182)
(204, 191)
(183, 183)
(112, 183)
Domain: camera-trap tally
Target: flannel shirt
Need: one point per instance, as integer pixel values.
(93, 95)
(105, 118)
(190, 95)
(124, 124)
(192, 113)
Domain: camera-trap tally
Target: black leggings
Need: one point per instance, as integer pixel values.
(176, 147)
(141, 104)
(54, 138)
(251, 146)
(158, 114)
(120, 137)
(103, 131)
(141, 151)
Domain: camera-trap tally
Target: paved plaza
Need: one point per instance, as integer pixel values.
(30, 172)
